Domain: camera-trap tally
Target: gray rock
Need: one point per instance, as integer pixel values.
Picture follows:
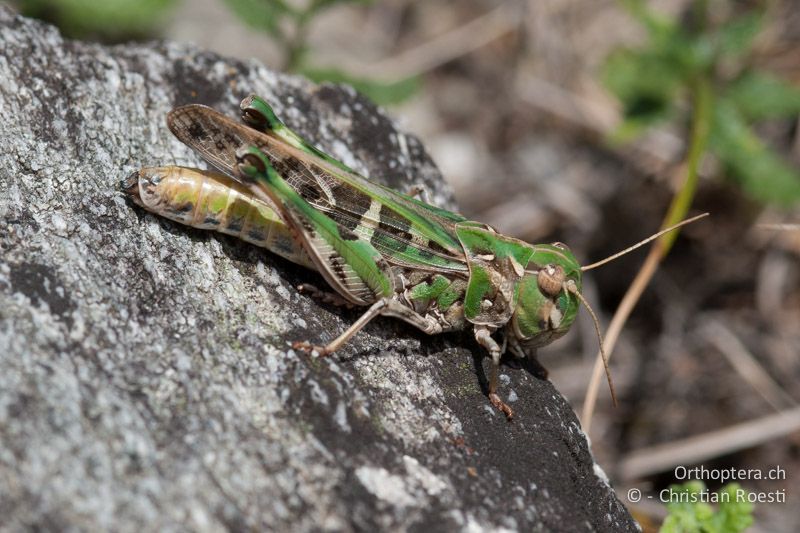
(145, 375)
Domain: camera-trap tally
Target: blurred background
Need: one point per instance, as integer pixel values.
(590, 122)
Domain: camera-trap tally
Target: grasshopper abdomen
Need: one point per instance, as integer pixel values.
(209, 200)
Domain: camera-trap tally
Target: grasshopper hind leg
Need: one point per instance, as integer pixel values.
(258, 114)
(385, 307)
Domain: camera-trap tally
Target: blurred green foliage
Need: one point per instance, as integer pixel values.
(289, 25)
(286, 22)
(106, 20)
(379, 92)
(654, 83)
(689, 512)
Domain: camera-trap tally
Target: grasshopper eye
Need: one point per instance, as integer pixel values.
(551, 280)
(561, 246)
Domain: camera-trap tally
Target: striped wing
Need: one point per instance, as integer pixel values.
(405, 231)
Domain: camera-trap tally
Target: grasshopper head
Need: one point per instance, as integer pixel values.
(545, 307)
(549, 294)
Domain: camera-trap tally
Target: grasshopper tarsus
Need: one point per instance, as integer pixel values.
(307, 347)
(501, 405)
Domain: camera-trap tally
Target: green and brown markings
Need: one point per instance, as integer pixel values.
(374, 246)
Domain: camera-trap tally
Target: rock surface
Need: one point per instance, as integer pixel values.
(145, 376)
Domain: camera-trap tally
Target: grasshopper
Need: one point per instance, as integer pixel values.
(374, 246)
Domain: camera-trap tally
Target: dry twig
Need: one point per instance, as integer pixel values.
(694, 450)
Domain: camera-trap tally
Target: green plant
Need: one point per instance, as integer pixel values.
(698, 71)
(690, 510)
(288, 25)
(654, 82)
(109, 20)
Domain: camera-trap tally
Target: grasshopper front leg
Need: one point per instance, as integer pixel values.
(484, 337)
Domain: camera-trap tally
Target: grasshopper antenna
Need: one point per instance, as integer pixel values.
(642, 243)
(570, 286)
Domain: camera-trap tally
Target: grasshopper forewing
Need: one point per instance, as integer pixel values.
(374, 246)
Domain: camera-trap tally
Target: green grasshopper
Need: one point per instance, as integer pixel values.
(373, 245)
